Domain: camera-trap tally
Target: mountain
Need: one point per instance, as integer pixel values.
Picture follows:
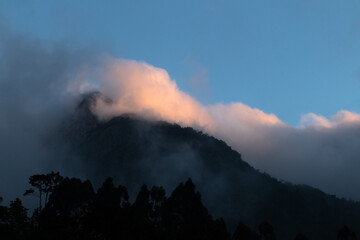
(134, 151)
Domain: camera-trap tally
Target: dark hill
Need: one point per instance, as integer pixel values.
(135, 151)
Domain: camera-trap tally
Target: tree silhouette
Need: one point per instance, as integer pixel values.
(3, 212)
(70, 196)
(266, 231)
(300, 236)
(184, 214)
(110, 195)
(17, 217)
(346, 234)
(157, 198)
(45, 184)
(142, 204)
(68, 205)
(244, 232)
(141, 210)
(219, 230)
(108, 213)
(73, 210)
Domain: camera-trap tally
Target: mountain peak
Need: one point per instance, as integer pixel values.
(135, 151)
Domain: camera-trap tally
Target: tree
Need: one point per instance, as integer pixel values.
(17, 216)
(267, 231)
(219, 230)
(184, 215)
(346, 234)
(107, 216)
(157, 198)
(45, 184)
(300, 236)
(62, 217)
(110, 195)
(70, 196)
(3, 212)
(244, 232)
(142, 203)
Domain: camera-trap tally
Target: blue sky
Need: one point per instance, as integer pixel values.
(285, 57)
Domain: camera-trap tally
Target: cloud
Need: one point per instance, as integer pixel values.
(38, 88)
(320, 152)
(40, 84)
(342, 117)
(148, 91)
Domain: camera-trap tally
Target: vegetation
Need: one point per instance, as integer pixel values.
(135, 151)
(73, 210)
(246, 203)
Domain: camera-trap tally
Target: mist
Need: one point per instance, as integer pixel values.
(320, 152)
(41, 84)
(38, 89)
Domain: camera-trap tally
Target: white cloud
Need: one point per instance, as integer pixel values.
(321, 152)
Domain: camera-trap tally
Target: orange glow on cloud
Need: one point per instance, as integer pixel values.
(262, 138)
(148, 91)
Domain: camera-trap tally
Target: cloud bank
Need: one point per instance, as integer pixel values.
(321, 152)
(39, 86)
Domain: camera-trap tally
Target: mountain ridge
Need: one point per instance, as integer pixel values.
(135, 151)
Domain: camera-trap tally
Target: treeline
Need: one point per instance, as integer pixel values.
(70, 209)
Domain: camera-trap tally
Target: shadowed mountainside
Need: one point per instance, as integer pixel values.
(135, 151)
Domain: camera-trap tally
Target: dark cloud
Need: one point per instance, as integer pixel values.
(40, 83)
(37, 87)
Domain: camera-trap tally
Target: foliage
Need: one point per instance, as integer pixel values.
(45, 184)
(135, 151)
(75, 211)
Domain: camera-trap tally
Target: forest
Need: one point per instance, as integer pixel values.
(69, 208)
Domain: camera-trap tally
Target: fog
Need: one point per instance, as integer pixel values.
(41, 83)
(321, 152)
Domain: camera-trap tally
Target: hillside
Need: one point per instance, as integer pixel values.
(135, 151)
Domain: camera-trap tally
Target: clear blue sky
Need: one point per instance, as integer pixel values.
(287, 57)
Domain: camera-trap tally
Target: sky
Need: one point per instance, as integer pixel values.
(278, 81)
(288, 58)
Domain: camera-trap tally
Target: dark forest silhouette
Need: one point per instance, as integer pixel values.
(69, 208)
(136, 151)
(247, 203)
